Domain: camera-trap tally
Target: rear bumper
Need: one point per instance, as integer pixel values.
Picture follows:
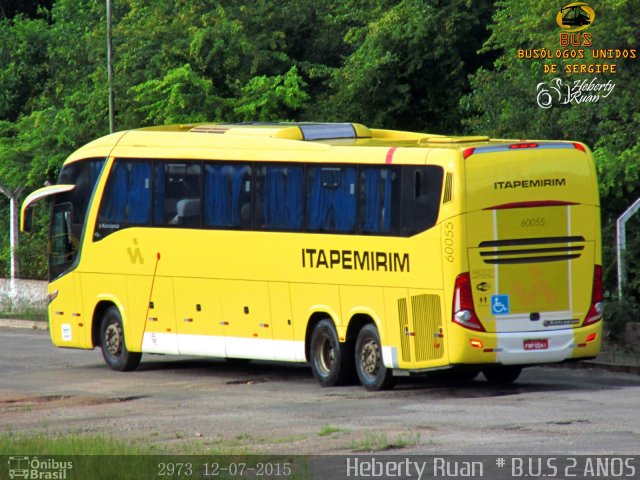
(509, 348)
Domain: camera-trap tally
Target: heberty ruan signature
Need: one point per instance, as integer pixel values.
(557, 92)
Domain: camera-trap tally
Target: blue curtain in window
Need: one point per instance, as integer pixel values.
(238, 175)
(377, 201)
(386, 204)
(95, 167)
(273, 201)
(345, 201)
(139, 193)
(282, 199)
(371, 201)
(332, 207)
(159, 207)
(293, 197)
(215, 196)
(224, 188)
(318, 203)
(115, 202)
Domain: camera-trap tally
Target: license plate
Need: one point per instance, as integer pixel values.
(536, 344)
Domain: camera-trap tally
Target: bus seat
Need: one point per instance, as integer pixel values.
(188, 212)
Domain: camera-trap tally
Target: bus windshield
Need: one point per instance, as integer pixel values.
(69, 213)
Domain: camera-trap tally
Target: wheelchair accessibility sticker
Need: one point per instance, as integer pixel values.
(499, 304)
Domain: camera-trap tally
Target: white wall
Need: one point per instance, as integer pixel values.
(30, 294)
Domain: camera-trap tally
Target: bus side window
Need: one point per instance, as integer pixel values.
(279, 197)
(379, 200)
(177, 194)
(227, 193)
(127, 197)
(331, 199)
(421, 190)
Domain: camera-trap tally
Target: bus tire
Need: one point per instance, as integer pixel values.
(330, 360)
(371, 371)
(112, 344)
(502, 375)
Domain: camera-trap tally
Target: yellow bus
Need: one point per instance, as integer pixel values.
(367, 253)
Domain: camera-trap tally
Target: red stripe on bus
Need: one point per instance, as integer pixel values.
(390, 155)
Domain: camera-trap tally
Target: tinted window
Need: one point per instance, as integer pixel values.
(63, 244)
(379, 209)
(177, 196)
(279, 197)
(421, 191)
(227, 195)
(331, 199)
(127, 197)
(84, 175)
(70, 213)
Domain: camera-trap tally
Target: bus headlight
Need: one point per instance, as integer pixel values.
(52, 296)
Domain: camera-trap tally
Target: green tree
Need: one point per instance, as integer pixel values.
(272, 98)
(411, 64)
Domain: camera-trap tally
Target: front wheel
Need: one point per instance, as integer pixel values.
(369, 365)
(114, 349)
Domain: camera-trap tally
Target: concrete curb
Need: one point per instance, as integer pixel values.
(603, 365)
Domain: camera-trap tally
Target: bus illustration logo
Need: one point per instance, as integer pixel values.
(575, 17)
(18, 467)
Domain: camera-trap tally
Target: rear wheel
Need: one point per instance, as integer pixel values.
(114, 349)
(331, 362)
(502, 375)
(369, 365)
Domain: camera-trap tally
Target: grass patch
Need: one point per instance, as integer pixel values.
(24, 313)
(94, 456)
(329, 430)
(379, 442)
(69, 445)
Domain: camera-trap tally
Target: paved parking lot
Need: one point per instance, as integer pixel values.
(279, 408)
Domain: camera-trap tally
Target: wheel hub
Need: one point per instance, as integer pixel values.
(370, 358)
(113, 339)
(326, 355)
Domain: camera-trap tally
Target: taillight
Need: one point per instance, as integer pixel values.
(597, 307)
(464, 313)
(523, 145)
(579, 146)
